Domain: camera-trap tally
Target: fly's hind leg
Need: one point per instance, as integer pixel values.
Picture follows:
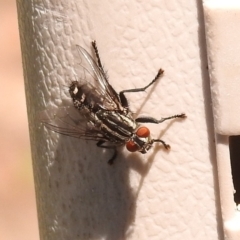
(122, 96)
(111, 160)
(94, 44)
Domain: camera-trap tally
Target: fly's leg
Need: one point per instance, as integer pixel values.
(99, 63)
(94, 44)
(111, 160)
(122, 96)
(167, 147)
(153, 120)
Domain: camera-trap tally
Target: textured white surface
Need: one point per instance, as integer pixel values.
(223, 38)
(159, 195)
(222, 21)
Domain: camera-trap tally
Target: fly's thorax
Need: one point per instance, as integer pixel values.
(122, 119)
(140, 140)
(116, 124)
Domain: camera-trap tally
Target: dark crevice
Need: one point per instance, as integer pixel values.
(234, 147)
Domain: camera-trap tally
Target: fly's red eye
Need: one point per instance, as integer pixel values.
(143, 132)
(132, 146)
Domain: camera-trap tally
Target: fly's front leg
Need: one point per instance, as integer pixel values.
(111, 160)
(167, 147)
(122, 96)
(154, 120)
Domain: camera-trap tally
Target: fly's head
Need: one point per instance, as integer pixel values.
(140, 141)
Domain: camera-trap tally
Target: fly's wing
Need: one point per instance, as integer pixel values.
(80, 123)
(68, 121)
(97, 79)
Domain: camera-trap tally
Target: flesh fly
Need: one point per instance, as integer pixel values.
(104, 114)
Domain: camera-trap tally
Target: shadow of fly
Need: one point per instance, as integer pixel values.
(105, 116)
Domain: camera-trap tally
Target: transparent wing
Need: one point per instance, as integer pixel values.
(77, 123)
(68, 121)
(96, 78)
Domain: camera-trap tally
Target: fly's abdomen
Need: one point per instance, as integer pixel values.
(117, 126)
(85, 97)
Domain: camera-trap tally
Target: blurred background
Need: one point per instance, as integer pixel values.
(18, 216)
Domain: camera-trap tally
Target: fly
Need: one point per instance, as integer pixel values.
(105, 114)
